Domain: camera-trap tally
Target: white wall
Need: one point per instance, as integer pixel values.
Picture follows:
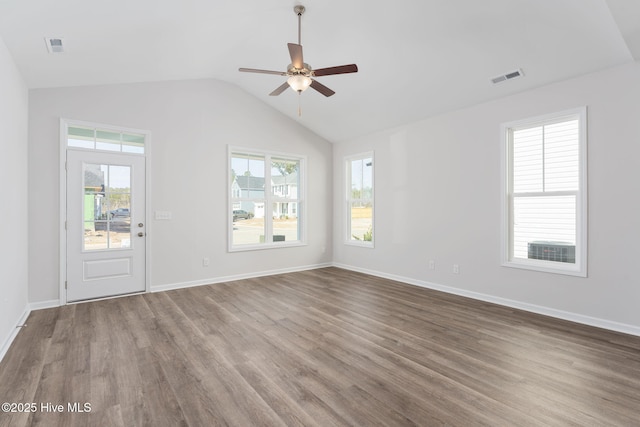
(191, 123)
(438, 198)
(13, 194)
(437, 191)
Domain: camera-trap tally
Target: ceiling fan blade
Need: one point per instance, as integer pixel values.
(280, 89)
(255, 70)
(341, 69)
(295, 50)
(321, 88)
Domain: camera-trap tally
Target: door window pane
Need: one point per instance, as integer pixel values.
(132, 143)
(106, 140)
(80, 137)
(107, 206)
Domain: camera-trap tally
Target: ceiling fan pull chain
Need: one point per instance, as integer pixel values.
(299, 104)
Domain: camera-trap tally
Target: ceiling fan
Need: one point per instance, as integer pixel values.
(300, 74)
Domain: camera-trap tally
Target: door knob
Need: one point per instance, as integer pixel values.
(140, 224)
(141, 234)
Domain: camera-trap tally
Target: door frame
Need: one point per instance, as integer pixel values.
(64, 123)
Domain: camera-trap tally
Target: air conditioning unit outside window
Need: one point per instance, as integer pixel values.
(552, 251)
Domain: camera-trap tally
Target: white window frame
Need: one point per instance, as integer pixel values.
(121, 145)
(508, 260)
(348, 200)
(269, 199)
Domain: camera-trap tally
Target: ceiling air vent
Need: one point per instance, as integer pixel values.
(54, 45)
(508, 76)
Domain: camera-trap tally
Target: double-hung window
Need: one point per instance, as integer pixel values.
(359, 200)
(265, 199)
(545, 193)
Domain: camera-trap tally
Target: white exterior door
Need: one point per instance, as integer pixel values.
(105, 224)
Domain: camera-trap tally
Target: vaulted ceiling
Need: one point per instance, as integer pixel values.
(416, 58)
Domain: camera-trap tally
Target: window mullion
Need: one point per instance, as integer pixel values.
(268, 201)
(547, 193)
(544, 181)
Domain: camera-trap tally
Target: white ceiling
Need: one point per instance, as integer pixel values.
(416, 58)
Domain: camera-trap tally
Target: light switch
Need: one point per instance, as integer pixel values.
(163, 215)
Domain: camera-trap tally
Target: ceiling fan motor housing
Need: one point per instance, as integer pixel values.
(306, 70)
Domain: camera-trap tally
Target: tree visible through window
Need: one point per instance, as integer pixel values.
(265, 200)
(359, 173)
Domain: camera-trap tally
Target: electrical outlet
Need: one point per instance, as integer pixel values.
(432, 265)
(456, 269)
(205, 262)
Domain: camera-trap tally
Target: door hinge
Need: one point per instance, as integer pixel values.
(65, 284)
(65, 225)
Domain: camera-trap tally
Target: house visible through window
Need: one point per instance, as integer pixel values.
(545, 193)
(359, 200)
(265, 199)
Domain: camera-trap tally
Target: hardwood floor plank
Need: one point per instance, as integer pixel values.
(22, 367)
(287, 408)
(221, 386)
(325, 347)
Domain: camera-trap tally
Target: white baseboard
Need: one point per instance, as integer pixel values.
(40, 305)
(7, 342)
(551, 312)
(222, 279)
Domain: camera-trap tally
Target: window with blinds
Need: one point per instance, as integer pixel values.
(545, 194)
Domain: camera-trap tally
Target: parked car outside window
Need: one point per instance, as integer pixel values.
(240, 214)
(120, 213)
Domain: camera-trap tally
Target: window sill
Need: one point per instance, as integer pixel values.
(360, 244)
(264, 246)
(546, 267)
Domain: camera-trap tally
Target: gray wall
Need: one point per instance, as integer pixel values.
(191, 124)
(13, 196)
(438, 198)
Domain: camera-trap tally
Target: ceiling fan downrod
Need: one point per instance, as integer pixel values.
(299, 10)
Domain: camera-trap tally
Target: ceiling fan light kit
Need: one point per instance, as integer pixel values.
(299, 82)
(300, 75)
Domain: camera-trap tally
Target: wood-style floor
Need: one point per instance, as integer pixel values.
(318, 348)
